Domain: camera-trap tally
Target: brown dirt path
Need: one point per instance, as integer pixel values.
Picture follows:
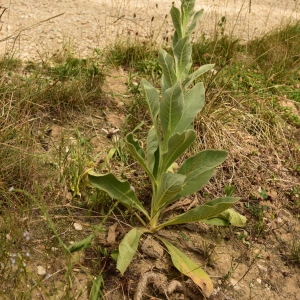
(38, 28)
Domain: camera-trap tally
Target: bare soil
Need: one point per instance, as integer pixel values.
(35, 29)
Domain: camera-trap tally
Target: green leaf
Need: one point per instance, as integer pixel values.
(183, 56)
(177, 145)
(157, 161)
(152, 147)
(175, 39)
(193, 103)
(128, 248)
(116, 189)
(171, 184)
(114, 254)
(196, 182)
(166, 62)
(138, 153)
(187, 7)
(233, 217)
(152, 97)
(171, 109)
(216, 222)
(81, 245)
(194, 22)
(176, 18)
(97, 287)
(203, 69)
(187, 10)
(189, 268)
(227, 217)
(208, 210)
(199, 169)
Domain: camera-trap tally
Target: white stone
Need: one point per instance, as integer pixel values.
(262, 268)
(77, 226)
(41, 270)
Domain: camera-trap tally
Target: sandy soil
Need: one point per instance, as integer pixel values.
(38, 28)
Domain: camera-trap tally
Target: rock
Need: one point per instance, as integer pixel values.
(77, 226)
(41, 270)
(234, 284)
(152, 248)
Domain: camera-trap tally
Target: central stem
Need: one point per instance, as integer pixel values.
(153, 222)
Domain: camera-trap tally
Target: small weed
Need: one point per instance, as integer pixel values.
(221, 26)
(233, 267)
(151, 68)
(10, 64)
(294, 196)
(257, 212)
(277, 54)
(229, 190)
(73, 67)
(137, 56)
(220, 50)
(74, 160)
(208, 250)
(264, 195)
(294, 253)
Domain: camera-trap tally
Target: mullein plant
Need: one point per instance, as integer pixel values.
(173, 111)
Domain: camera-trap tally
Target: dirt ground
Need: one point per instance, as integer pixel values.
(33, 29)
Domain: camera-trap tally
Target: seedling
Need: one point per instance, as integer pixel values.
(294, 256)
(172, 113)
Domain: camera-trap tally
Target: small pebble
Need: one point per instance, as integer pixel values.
(77, 226)
(262, 268)
(152, 248)
(41, 270)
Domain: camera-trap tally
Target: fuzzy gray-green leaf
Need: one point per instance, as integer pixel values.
(203, 69)
(189, 268)
(199, 169)
(216, 221)
(152, 97)
(177, 145)
(116, 189)
(194, 22)
(152, 147)
(128, 248)
(188, 7)
(208, 210)
(226, 218)
(175, 14)
(233, 217)
(183, 55)
(171, 184)
(193, 103)
(187, 10)
(138, 153)
(171, 109)
(166, 62)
